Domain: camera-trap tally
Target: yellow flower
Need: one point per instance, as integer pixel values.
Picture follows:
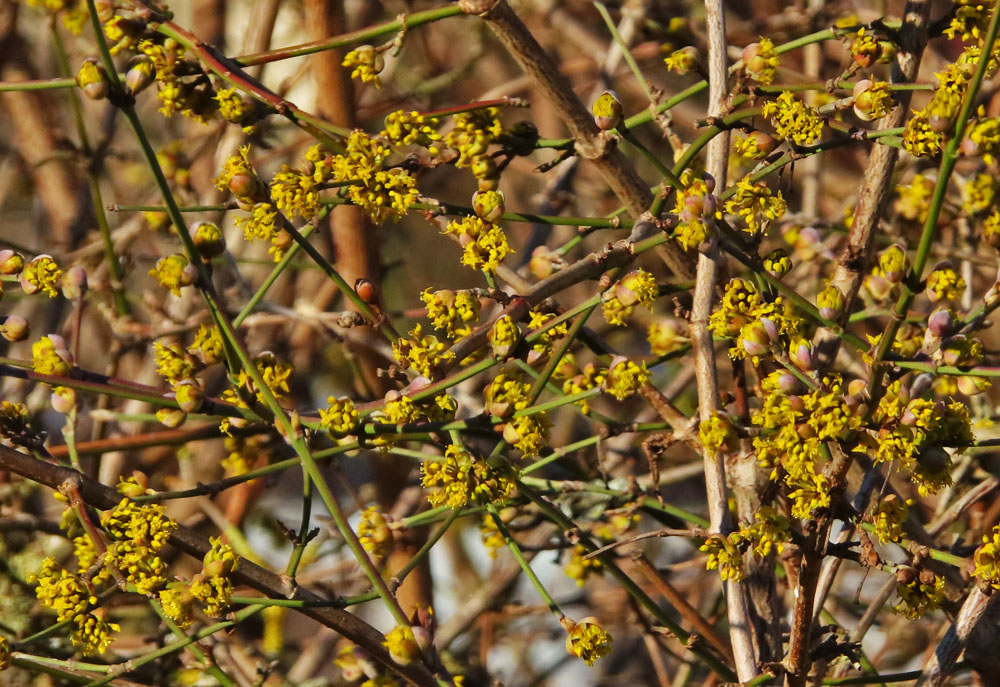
(374, 532)
(793, 119)
(587, 640)
(889, 516)
(472, 134)
(212, 586)
(451, 310)
(232, 105)
(681, 61)
(425, 354)
(295, 193)
(920, 139)
(174, 272)
(207, 345)
(944, 283)
(635, 287)
(488, 245)
(724, 555)
(716, 433)
(755, 204)
(412, 128)
(760, 60)
(625, 377)
(340, 418)
(41, 274)
(49, 359)
(367, 63)
(917, 596)
(580, 568)
(461, 478)
(402, 645)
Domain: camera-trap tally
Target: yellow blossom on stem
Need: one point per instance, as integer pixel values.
(460, 479)
(233, 106)
(374, 533)
(625, 377)
(756, 205)
(422, 353)
(402, 645)
(724, 555)
(761, 61)
(587, 640)
(295, 193)
(174, 272)
(340, 417)
(212, 586)
(366, 63)
(472, 134)
(580, 568)
(412, 128)
(41, 274)
(987, 559)
(451, 311)
(48, 358)
(793, 119)
(919, 595)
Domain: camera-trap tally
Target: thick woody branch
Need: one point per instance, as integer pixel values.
(954, 641)
(877, 181)
(614, 167)
(103, 497)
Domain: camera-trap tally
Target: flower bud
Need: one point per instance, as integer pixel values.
(544, 262)
(63, 399)
(14, 328)
(893, 263)
(245, 186)
(777, 263)
(760, 143)
(61, 349)
(993, 295)
(139, 74)
(789, 383)
(941, 322)
(74, 283)
(801, 354)
(971, 386)
(755, 339)
(171, 417)
(830, 302)
(886, 51)
(856, 387)
(208, 239)
(11, 262)
(138, 486)
(189, 395)
(865, 103)
(608, 111)
(488, 205)
(484, 168)
(93, 79)
(367, 290)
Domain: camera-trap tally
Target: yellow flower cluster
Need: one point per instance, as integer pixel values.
(485, 243)
(924, 133)
(412, 128)
(717, 433)
(173, 363)
(49, 359)
(637, 287)
(537, 320)
(756, 205)
(383, 193)
(944, 283)
(174, 272)
(690, 206)
(233, 106)
(969, 20)
(625, 377)
(913, 202)
(295, 193)
(754, 322)
(793, 120)
(374, 533)
(73, 599)
(207, 345)
(213, 586)
(681, 61)
(978, 194)
(724, 556)
(503, 336)
(275, 376)
(451, 311)
(589, 377)
(41, 274)
(367, 63)
(460, 479)
(888, 517)
(505, 396)
(340, 417)
(987, 559)
(920, 595)
(587, 640)
(402, 644)
(424, 354)
(761, 61)
(580, 568)
(137, 533)
(473, 133)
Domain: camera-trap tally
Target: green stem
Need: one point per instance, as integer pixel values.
(522, 561)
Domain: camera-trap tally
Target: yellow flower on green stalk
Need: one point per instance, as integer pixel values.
(41, 274)
(580, 568)
(919, 596)
(761, 61)
(460, 479)
(485, 243)
(636, 287)
(756, 205)
(233, 106)
(587, 640)
(412, 128)
(49, 356)
(473, 133)
(724, 555)
(366, 63)
(340, 417)
(793, 119)
(374, 533)
(425, 354)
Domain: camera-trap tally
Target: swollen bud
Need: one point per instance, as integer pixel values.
(608, 111)
(189, 395)
(488, 205)
(93, 80)
(171, 417)
(941, 322)
(893, 263)
(139, 74)
(830, 302)
(755, 339)
(74, 283)
(63, 399)
(367, 290)
(15, 328)
(208, 239)
(11, 262)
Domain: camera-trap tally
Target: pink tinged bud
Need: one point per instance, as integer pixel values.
(755, 340)
(771, 328)
(879, 287)
(422, 636)
(941, 322)
(15, 328)
(189, 395)
(789, 383)
(952, 350)
(971, 386)
(171, 418)
(488, 205)
(139, 74)
(61, 349)
(694, 206)
(802, 355)
(941, 124)
(63, 399)
(709, 181)
(710, 205)
(74, 283)
(608, 111)
(11, 262)
(92, 79)
(856, 387)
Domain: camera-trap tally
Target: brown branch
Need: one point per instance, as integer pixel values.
(951, 645)
(614, 167)
(103, 497)
(877, 181)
